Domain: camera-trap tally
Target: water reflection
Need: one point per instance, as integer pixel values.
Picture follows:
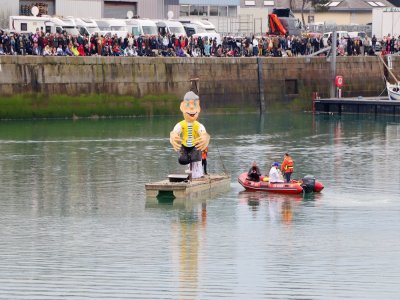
(252, 199)
(280, 207)
(188, 236)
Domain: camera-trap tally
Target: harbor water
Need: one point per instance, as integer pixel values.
(75, 222)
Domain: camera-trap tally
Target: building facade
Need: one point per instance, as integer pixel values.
(230, 17)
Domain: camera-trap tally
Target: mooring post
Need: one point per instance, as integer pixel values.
(314, 97)
(260, 85)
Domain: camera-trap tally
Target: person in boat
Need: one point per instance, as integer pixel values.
(287, 167)
(275, 175)
(254, 172)
(189, 137)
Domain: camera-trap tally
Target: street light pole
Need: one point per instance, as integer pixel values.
(333, 64)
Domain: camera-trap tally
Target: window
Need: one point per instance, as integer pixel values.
(190, 31)
(269, 3)
(250, 3)
(376, 3)
(223, 11)
(203, 11)
(184, 11)
(311, 19)
(135, 31)
(213, 10)
(24, 26)
(194, 10)
(334, 3)
(232, 11)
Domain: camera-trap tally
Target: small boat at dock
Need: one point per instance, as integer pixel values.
(393, 91)
(308, 184)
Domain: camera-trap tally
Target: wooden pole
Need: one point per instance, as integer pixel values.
(260, 85)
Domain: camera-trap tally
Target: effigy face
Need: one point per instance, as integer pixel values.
(190, 109)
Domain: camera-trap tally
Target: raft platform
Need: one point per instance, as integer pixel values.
(358, 105)
(186, 188)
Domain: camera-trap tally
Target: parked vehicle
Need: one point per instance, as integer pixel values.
(145, 27)
(339, 35)
(360, 34)
(66, 25)
(112, 27)
(196, 29)
(170, 27)
(207, 25)
(282, 21)
(30, 24)
(385, 21)
(86, 26)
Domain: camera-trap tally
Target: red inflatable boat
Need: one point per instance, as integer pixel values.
(308, 184)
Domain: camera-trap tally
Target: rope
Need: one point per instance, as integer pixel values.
(390, 72)
(383, 74)
(222, 162)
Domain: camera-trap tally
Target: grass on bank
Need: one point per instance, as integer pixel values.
(31, 106)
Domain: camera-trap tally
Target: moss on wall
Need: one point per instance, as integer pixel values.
(28, 106)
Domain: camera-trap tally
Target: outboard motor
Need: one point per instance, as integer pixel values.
(308, 184)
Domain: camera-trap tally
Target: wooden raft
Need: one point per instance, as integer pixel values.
(182, 187)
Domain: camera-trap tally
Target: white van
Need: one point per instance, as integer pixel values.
(207, 25)
(67, 25)
(197, 30)
(170, 27)
(339, 34)
(86, 26)
(30, 24)
(360, 34)
(112, 27)
(145, 27)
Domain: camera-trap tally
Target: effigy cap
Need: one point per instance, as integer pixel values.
(190, 96)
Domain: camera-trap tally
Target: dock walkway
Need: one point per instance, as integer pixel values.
(358, 105)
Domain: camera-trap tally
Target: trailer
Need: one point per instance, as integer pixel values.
(31, 24)
(386, 21)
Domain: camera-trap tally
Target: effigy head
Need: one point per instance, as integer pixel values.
(190, 107)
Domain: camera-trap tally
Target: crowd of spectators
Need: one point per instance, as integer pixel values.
(63, 44)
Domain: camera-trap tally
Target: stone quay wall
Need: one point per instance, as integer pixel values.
(225, 83)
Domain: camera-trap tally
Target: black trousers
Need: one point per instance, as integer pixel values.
(188, 155)
(204, 164)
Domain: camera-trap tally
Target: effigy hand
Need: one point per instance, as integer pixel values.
(202, 141)
(175, 140)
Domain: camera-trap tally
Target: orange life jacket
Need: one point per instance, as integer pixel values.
(204, 154)
(287, 165)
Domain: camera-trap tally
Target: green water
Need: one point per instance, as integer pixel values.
(75, 222)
